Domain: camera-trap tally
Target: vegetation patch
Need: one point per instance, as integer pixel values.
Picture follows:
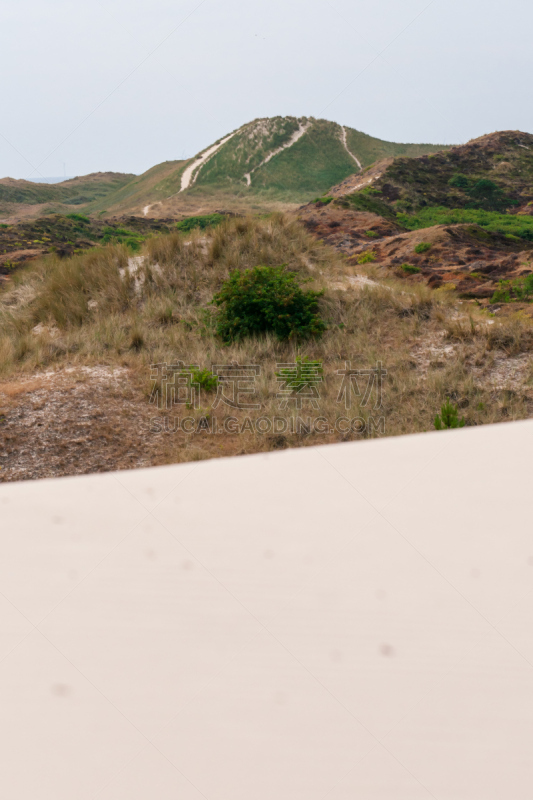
(518, 290)
(368, 257)
(120, 235)
(410, 269)
(520, 226)
(368, 202)
(423, 247)
(202, 222)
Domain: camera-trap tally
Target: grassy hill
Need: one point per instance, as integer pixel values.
(492, 173)
(266, 162)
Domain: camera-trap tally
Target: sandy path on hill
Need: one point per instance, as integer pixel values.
(187, 178)
(294, 138)
(345, 143)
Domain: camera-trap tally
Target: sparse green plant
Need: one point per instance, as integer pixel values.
(448, 417)
(410, 269)
(324, 200)
(372, 234)
(368, 257)
(206, 379)
(267, 300)
(423, 247)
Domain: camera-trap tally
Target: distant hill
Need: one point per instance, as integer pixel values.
(493, 173)
(76, 191)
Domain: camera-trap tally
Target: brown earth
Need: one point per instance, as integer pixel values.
(82, 420)
(463, 257)
(29, 240)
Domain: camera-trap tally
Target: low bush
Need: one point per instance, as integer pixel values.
(423, 247)
(202, 222)
(410, 269)
(78, 217)
(266, 300)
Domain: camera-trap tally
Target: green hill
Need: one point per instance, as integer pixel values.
(279, 159)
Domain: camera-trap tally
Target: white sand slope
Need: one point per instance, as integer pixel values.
(342, 622)
(345, 143)
(190, 175)
(296, 136)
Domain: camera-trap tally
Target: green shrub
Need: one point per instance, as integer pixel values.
(202, 222)
(324, 200)
(448, 418)
(410, 269)
(266, 300)
(122, 236)
(367, 257)
(487, 194)
(372, 234)
(423, 247)
(459, 181)
(517, 289)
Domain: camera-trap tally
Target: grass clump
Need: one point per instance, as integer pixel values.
(267, 300)
(423, 247)
(410, 269)
(324, 200)
(448, 418)
(202, 222)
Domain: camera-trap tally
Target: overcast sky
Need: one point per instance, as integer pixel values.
(123, 84)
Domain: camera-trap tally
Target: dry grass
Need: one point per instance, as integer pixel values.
(95, 310)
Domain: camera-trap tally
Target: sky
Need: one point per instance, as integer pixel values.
(121, 85)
